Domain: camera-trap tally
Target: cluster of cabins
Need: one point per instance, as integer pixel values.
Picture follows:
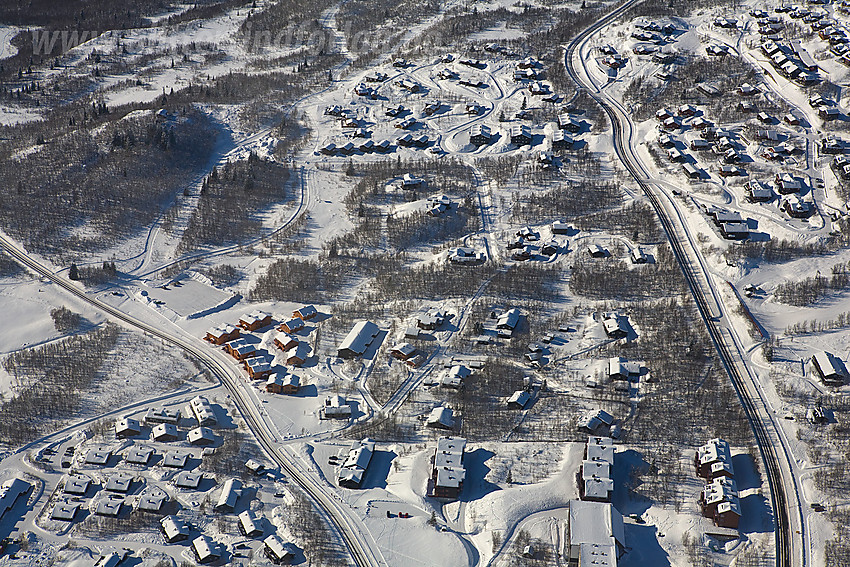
(447, 468)
(256, 362)
(794, 63)
(353, 467)
(730, 223)
(595, 478)
(408, 354)
(719, 498)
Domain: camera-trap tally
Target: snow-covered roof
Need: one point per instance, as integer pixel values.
(595, 523)
(440, 416)
(230, 493)
(360, 337)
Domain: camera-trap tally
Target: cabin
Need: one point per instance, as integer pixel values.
(358, 340)
(796, 208)
(64, 511)
(431, 321)
(411, 183)
(305, 313)
(403, 351)
(596, 251)
(735, 230)
(173, 529)
(258, 368)
(638, 256)
(284, 341)
(519, 399)
(127, 427)
(561, 141)
(10, 491)
(110, 508)
(758, 192)
(152, 500)
(621, 369)
(278, 551)
(614, 327)
(353, 468)
(335, 407)
(163, 415)
(249, 526)
(255, 320)
(202, 411)
(828, 369)
(165, 433)
(188, 480)
(464, 255)
(222, 334)
(201, 436)
(205, 550)
(455, 376)
(568, 123)
(292, 326)
(715, 451)
(786, 184)
(698, 144)
(440, 418)
(175, 460)
(119, 482)
(298, 356)
(240, 349)
(138, 455)
(230, 493)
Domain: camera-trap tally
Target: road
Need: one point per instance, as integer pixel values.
(355, 536)
(790, 534)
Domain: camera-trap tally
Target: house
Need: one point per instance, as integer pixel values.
(383, 146)
(119, 482)
(163, 415)
(335, 407)
(284, 341)
(440, 418)
(719, 500)
(791, 120)
(638, 256)
(715, 451)
(138, 455)
(367, 146)
(550, 247)
(521, 254)
(188, 479)
(358, 340)
(305, 313)
(700, 123)
(520, 135)
(282, 384)
(691, 171)
(796, 207)
(292, 326)
(249, 526)
(201, 436)
(698, 144)
(353, 468)
(686, 110)
(299, 355)
(595, 481)
(560, 227)
(64, 511)
(222, 334)
(202, 410)
(479, 135)
(568, 123)
(240, 349)
(786, 184)
(454, 377)
(561, 141)
(109, 507)
(537, 88)
(165, 433)
(828, 112)
(829, 369)
(746, 106)
(255, 320)
(127, 427)
(411, 332)
(519, 399)
(509, 319)
(278, 551)
(230, 493)
(328, 149)
(447, 469)
(173, 529)
(205, 550)
(152, 500)
(403, 351)
(595, 533)
(431, 321)
(746, 89)
(175, 459)
(258, 368)
(758, 192)
(255, 467)
(412, 183)
(729, 170)
(10, 491)
(464, 255)
(671, 123)
(621, 369)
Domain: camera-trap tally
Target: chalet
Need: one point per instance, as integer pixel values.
(525, 75)
(255, 320)
(720, 216)
(764, 117)
(700, 123)
(614, 326)
(152, 500)
(676, 155)
(446, 74)
(361, 89)
(205, 550)
(509, 319)
(758, 192)
(621, 369)
(118, 482)
(691, 171)
(188, 479)
(464, 255)
(828, 112)
(560, 227)
(64, 511)
(440, 418)
(538, 89)
(479, 135)
(520, 135)
(715, 451)
(378, 77)
(638, 256)
(717, 50)
(550, 247)
(249, 526)
(284, 341)
(447, 469)
(258, 368)
(519, 399)
(328, 149)
(411, 332)
(138, 455)
(568, 123)
(726, 22)
(230, 493)
(455, 376)
(746, 107)
(412, 183)
(165, 433)
(347, 149)
(786, 184)
(709, 89)
(698, 144)
(401, 63)
(475, 63)
(830, 145)
(256, 468)
(735, 230)
(561, 141)
(335, 407)
(202, 411)
(173, 529)
(222, 334)
(405, 141)
(175, 459)
(367, 146)
(829, 369)
(127, 427)
(403, 351)
(719, 501)
(298, 356)
(473, 108)
(596, 251)
(240, 349)
(663, 114)
(671, 123)
(747, 89)
(729, 170)
(769, 135)
(358, 340)
(686, 110)
(395, 111)
(201, 436)
(109, 507)
(283, 384)
(353, 468)
(663, 57)
(292, 326)
(278, 551)
(666, 141)
(431, 321)
(408, 85)
(163, 415)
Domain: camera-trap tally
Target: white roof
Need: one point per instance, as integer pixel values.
(10, 491)
(278, 547)
(173, 526)
(440, 416)
(229, 493)
(595, 523)
(597, 555)
(509, 318)
(520, 397)
(152, 500)
(826, 363)
(360, 337)
(204, 547)
(138, 454)
(187, 479)
(450, 477)
(249, 522)
(175, 459)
